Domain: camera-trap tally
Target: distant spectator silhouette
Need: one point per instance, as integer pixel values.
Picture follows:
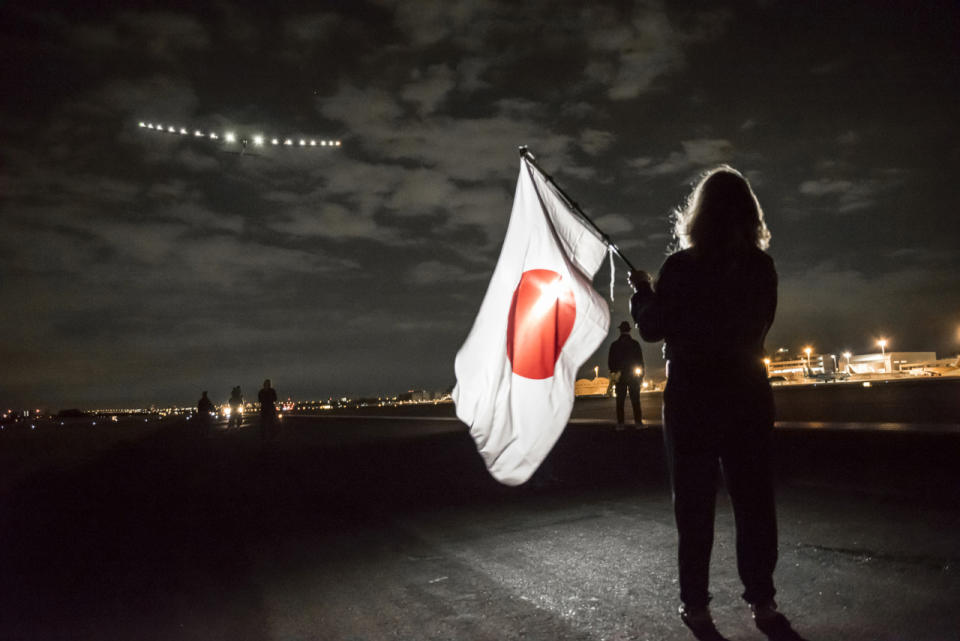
(268, 410)
(236, 407)
(625, 362)
(204, 408)
(713, 302)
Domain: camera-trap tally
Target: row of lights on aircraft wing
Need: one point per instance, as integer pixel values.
(259, 141)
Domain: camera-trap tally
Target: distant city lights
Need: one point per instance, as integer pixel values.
(231, 137)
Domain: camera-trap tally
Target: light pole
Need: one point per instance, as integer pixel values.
(807, 350)
(847, 356)
(883, 353)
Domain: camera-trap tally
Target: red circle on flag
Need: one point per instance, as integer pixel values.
(541, 319)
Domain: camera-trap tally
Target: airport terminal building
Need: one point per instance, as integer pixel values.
(833, 365)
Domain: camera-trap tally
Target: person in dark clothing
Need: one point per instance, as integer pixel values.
(268, 410)
(625, 362)
(713, 302)
(236, 407)
(204, 408)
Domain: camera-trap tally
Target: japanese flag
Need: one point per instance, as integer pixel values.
(539, 321)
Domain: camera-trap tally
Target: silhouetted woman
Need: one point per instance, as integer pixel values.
(712, 304)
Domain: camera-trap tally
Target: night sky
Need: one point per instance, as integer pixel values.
(142, 268)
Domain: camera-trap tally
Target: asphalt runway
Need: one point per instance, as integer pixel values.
(910, 404)
(360, 529)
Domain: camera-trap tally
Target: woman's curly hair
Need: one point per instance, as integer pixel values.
(721, 214)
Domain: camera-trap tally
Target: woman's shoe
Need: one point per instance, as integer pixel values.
(772, 623)
(700, 623)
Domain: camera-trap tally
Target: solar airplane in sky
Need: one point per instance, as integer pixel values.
(239, 143)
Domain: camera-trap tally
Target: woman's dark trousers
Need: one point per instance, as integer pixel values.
(711, 425)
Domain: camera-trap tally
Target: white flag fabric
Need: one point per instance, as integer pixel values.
(539, 321)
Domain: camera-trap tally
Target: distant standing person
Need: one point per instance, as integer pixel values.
(626, 360)
(268, 410)
(236, 407)
(712, 304)
(204, 408)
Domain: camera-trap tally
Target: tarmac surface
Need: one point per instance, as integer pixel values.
(361, 528)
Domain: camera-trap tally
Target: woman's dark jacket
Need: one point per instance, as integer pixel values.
(712, 312)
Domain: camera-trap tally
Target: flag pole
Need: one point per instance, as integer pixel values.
(528, 156)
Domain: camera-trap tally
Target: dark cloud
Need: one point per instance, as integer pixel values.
(594, 141)
(159, 35)
(816, 306)
(615, 224)
(695, 154)
(143, 266)
(429, 88)
(431, 272)
(629, 53)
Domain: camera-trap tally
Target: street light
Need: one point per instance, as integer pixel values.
(883, 352)
(847, 356)
(807, 350)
